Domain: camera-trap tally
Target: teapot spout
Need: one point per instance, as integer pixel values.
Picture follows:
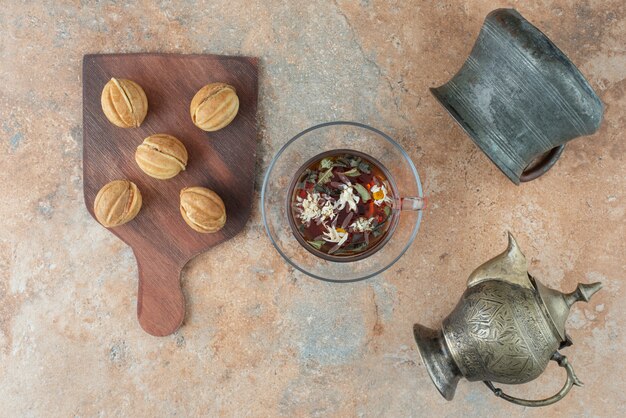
(583, 293)
(438, 360)
(510, 266)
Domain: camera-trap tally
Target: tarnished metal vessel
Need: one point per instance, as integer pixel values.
(519, 98)
(506, 328)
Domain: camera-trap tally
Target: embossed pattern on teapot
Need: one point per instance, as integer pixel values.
(500, 333)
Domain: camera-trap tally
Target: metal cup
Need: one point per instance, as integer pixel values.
(519, 97)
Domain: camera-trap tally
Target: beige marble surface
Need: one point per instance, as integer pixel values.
(260, 339)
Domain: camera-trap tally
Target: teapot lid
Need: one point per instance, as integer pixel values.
(558, 304)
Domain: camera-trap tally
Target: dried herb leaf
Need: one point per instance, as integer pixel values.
(365, 195)
(381, 224)
(387, 210)
(343, 178)
(326, 176)
(335, 248)
(341, 252)
(342, 162)
(316, 244)
(322, 189)
(326, 163)
(364, 167)
(352, 173)
(352, 248)
(347, 220)
(355, 162)
(376, 233)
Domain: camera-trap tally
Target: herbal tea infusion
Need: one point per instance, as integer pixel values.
(341, 204)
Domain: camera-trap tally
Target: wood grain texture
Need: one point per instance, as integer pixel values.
(223, 161)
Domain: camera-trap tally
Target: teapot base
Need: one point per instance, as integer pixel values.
(438, 360)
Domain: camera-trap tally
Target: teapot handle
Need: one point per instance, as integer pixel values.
(571, 381)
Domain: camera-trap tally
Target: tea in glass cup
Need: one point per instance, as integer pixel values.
(341, 205)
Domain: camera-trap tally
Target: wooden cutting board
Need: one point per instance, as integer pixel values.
(223, 161)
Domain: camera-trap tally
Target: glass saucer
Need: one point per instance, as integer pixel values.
(328, 137)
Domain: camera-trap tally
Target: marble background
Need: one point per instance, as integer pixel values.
(260, 339)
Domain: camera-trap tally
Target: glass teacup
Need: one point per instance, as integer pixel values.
(326, 139)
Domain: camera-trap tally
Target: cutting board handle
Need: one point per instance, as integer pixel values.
(160, 300)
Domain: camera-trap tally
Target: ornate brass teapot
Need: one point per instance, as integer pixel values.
(506, 328)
